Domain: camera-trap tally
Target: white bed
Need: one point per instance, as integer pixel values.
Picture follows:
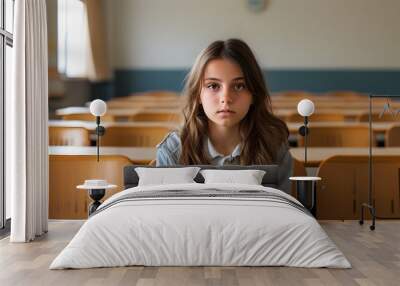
(185, 230)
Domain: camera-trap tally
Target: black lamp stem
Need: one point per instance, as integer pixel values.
(98, 136)
(305, 139)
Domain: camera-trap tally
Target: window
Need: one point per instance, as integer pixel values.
(9, 19)
(72, 38)
(6, 43)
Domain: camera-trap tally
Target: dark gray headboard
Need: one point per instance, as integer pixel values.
(270, 178)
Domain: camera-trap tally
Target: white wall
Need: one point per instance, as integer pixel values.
(288, 34)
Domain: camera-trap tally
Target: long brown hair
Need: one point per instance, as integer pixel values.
(262, 134)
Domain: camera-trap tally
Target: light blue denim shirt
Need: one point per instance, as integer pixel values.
(169, 150)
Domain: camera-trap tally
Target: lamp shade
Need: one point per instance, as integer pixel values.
(305, 107)
(98, 107)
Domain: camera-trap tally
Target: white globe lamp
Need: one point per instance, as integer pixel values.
(98, 108)
(305, 108)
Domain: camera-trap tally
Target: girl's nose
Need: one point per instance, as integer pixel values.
(225, 96)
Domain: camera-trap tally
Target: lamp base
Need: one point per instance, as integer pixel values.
(96, 195)
(306, 192)
(371, 211)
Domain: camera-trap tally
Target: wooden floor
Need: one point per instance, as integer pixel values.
(375, 257)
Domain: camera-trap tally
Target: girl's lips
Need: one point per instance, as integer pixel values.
(227, 111)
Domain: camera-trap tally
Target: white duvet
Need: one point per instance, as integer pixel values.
(200, 231)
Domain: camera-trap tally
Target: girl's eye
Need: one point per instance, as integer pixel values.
(240, 86)
(213, 86)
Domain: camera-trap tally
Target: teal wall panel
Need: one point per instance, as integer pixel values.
(315, 80)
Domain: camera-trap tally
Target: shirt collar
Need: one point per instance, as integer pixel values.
(215, 154)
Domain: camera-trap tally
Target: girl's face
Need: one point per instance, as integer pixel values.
(224, 94)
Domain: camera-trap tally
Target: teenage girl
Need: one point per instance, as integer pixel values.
(228, 115)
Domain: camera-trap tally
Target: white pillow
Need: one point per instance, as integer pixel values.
(164, 176)
(248, 177)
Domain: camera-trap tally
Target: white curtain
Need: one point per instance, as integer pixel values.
(26, 117)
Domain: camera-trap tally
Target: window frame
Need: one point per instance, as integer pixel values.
(6, 39)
